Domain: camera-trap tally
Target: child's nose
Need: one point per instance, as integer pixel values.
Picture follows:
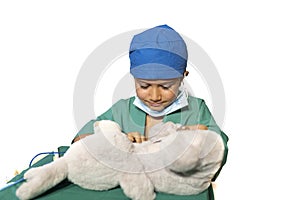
(155, 94)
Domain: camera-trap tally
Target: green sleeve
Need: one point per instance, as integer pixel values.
(88, 128)
(122, 112)
(207, 119)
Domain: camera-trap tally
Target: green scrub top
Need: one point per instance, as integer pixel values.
(131, 119)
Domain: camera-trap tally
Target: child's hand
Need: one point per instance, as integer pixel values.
(136, 137)
(193, 127)
(81, 137)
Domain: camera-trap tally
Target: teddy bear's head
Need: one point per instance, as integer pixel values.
(110, 132)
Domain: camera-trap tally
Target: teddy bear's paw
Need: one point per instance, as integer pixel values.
(23, 192)
(34, 185)
(34, 173)
(137, 187)
(41, 179)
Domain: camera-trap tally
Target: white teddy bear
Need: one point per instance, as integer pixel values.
(107, 159)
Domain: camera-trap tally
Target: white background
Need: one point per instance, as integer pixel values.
(255, 46)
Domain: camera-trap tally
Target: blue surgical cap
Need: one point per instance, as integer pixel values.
(158, 53)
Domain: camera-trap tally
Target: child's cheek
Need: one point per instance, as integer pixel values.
(141, 93)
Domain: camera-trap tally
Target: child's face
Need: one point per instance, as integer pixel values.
(157, 94)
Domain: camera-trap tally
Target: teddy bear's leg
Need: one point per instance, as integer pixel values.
(195, 167)
(41, 179)
(137, 186)
(187, 161)
(170, 182)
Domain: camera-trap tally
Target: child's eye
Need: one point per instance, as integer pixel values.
(144, 86)
(165, 87)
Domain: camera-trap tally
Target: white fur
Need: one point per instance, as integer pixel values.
(177, 162)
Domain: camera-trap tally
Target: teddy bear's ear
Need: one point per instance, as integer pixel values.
(123, 143)
(107, 125)
(161, 130)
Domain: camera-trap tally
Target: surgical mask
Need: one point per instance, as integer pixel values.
(180, 102)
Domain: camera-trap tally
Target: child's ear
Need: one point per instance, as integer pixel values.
(186, 73)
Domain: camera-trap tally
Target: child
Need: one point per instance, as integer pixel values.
(158, 60)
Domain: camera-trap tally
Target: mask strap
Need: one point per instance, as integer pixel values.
(183, 89)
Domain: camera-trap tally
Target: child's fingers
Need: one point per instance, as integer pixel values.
(130, 137)
(143, 138)
(136, 137)
(202, 127)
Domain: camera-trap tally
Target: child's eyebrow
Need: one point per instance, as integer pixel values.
(142, 82)
(161, 83)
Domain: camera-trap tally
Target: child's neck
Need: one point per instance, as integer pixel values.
(150, 122)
